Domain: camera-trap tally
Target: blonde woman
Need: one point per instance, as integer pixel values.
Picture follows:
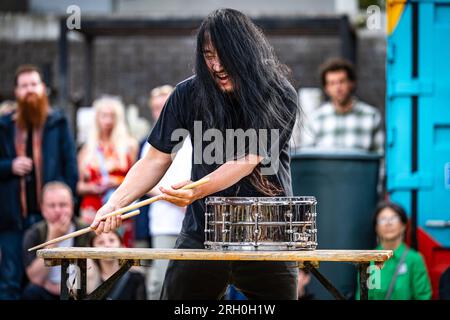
(106, 157)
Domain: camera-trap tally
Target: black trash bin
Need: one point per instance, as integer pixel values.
(345, 185)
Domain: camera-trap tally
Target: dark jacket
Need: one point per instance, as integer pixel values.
(37, 234)
(58, 163)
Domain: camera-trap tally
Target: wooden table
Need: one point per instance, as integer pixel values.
(129, 257)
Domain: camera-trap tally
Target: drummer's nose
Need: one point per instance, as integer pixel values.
(217, 66)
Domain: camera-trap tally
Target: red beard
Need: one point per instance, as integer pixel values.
(32, 111)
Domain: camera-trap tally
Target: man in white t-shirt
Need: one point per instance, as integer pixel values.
(345, 122)
(165, 218)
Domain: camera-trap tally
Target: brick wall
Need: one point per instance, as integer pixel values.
(130, 67)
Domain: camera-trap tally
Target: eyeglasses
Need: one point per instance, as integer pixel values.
(385, 221)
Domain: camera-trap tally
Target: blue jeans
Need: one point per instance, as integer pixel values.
(234, 294)
(11, 263)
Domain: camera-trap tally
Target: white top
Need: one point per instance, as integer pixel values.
(165, 217)
(54, 275)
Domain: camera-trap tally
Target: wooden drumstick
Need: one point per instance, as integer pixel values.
(80, 232)
(118, 212)
(152, 199)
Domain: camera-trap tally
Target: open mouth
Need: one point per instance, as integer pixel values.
(222, 76)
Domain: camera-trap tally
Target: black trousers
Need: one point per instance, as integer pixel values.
(206, 279)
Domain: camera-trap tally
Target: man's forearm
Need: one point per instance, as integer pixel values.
(228, 174)
(37, 272)
(142, 177)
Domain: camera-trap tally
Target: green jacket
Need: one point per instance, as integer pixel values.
(412, 282)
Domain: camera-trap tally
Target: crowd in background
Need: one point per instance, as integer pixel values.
(48, 189)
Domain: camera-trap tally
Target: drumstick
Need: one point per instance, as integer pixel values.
(120, 211)
(152, 199)
(80, 232)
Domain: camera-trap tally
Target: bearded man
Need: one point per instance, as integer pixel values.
(36, 147)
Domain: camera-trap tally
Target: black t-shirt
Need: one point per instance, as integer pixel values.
(179, 113)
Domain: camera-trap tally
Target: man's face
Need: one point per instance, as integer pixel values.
(216, 69)
(338, 87)
(157, 104)
(29, 83)
(56, 204)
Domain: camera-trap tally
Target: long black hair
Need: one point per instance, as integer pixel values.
(260, 82)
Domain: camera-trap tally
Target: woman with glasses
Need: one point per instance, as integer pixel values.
(404, 276)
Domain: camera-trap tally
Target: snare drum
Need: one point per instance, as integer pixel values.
(261, 223)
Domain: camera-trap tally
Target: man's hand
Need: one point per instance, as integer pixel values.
(59, 227)
(109, 224)
(181, 198)
(22, 166)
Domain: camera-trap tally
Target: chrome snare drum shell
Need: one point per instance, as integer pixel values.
(261, 223)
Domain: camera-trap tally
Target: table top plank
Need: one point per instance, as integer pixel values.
(203, 254)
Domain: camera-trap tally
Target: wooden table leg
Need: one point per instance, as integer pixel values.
(76, 290)
(81, 281)
(363, 277)
(64, 277)
(104, 289)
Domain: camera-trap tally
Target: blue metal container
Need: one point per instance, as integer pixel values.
(418, 122)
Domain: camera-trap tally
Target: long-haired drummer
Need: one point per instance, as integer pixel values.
(239, 110)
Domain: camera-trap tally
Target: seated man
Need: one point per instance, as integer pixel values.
(344, 122)
(57, 211)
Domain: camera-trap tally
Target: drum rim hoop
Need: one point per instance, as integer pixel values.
(261, 200)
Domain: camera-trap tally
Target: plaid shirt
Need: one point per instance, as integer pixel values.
(358, 129)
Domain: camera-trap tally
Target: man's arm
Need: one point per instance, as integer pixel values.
(223, 177)
(37, 272)
(142, 177)
(378, 135)
(35, 268)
